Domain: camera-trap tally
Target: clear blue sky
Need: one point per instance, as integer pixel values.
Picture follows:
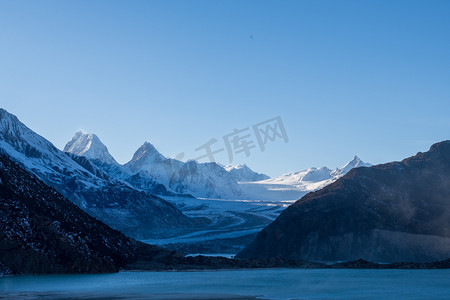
(370, 78)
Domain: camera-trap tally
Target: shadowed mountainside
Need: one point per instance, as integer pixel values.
(398, 211)
(42, 232)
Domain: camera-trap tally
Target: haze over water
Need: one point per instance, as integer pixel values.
(243, 284)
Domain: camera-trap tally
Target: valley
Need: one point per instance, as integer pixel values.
(233, 224)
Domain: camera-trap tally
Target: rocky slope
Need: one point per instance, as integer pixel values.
(398, 211)
(42, 232)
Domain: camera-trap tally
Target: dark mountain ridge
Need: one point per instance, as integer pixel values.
(398, 211)
(42, 232)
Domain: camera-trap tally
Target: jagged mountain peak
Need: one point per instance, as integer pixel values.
(354, 163)
(146, 156)
(10, 125)
(148, 153)
(18, 138)
(5, 114)
(90, 146)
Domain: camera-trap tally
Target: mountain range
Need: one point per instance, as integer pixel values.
(78, 178)
(292, 186)
(151, 171)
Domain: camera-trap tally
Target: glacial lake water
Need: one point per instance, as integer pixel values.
(242, 284)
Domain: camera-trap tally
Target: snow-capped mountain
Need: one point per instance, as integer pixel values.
(293, 186)
(90, 146)
(152, 172)
(110, 200)
(145, 156)
(148, 161)
(317, 175)
(36, 153)
(308, 175)
(242, 173)
(205, 180)
(354, 163)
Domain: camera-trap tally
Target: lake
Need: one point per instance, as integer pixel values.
(242, 284)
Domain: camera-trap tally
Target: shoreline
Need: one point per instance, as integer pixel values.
(356, 265)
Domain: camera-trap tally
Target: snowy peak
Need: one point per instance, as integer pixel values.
(145, 156)
(11, 129)
(317, 174)
(311, 175)
(90, 146)
(39, 156)
(293, 186)
(18, 138)
(148, 153)
(206, 180)
(354, 163)
(242, 173)
(7, 120)
(238, 167)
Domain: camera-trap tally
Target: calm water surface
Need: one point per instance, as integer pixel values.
(244, 284)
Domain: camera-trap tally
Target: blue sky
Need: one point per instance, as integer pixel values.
(370, 78)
